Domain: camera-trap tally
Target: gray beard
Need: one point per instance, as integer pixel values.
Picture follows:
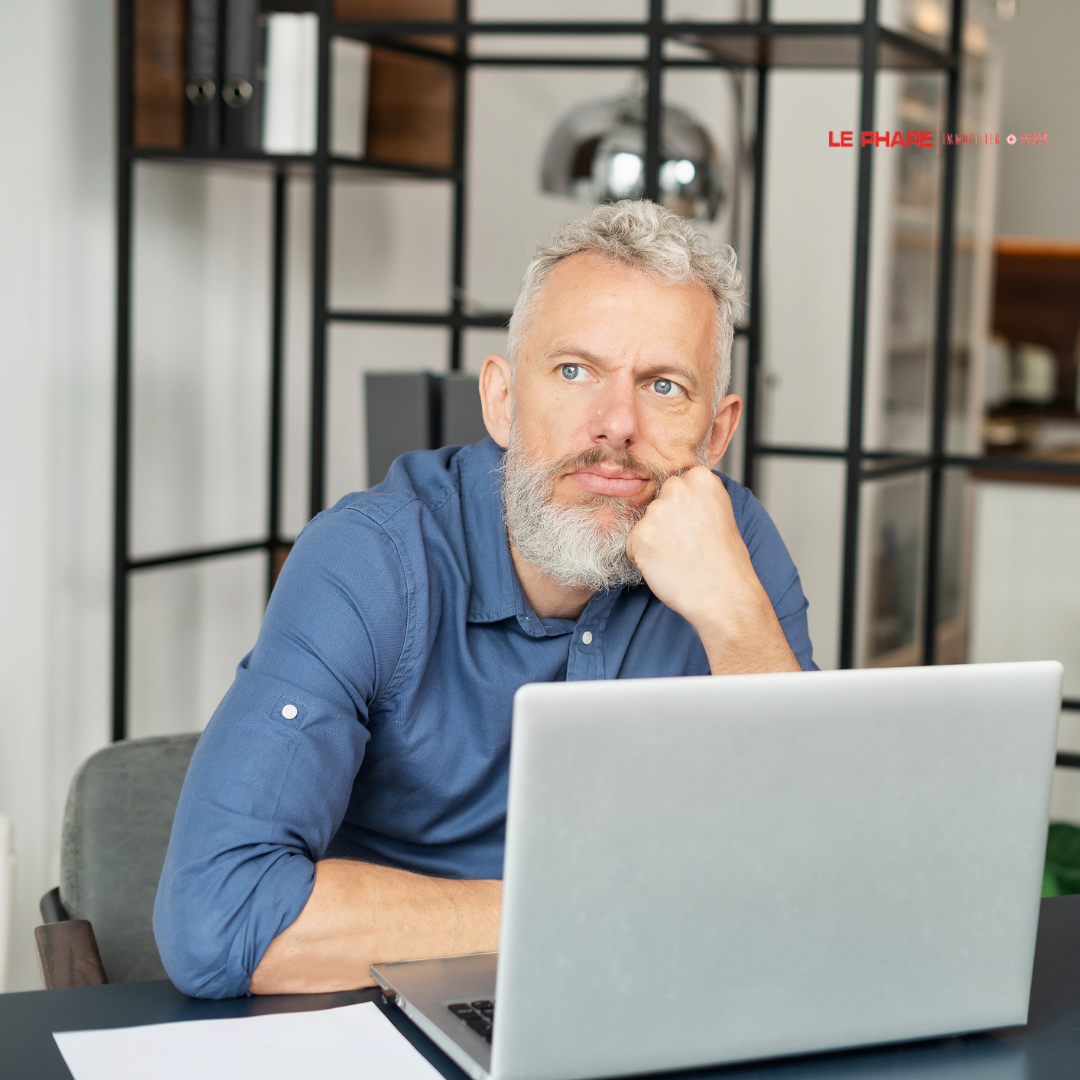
(573, 545)
(569, 544)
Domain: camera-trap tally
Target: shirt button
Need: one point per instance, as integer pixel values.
(289, 712)
(586, 638)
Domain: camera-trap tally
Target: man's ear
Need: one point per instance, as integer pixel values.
(723, 429)
(497, 397)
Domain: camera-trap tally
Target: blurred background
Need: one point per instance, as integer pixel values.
(243, 254)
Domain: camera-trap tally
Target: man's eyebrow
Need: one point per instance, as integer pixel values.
(573, 350)
(679, 372)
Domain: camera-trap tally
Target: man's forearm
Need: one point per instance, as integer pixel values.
(747, 637)
(360, 914)
(754, 649)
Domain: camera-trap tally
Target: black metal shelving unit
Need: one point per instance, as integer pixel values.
(758, 47)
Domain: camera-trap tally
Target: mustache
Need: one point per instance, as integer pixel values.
(600, 455)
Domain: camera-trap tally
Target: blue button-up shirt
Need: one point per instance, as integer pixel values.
(372, 719)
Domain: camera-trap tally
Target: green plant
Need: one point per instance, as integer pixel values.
(1061, 875)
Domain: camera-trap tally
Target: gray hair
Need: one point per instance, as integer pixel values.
(659, 243)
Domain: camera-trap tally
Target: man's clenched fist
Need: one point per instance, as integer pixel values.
(688, 548)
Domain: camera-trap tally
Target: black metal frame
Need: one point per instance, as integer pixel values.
(760, 38)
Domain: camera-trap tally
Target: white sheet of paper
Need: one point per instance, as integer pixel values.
(354, 1042)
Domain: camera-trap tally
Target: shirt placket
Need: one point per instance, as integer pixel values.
(587, 652)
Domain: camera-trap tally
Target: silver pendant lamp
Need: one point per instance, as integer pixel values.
(597, 153)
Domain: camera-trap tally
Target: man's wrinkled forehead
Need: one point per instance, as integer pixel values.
(591, 304)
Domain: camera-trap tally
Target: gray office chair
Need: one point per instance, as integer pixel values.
(117, 822)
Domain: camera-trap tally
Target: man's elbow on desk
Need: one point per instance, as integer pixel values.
(210, 942)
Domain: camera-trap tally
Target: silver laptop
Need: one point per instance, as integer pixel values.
(710, 870)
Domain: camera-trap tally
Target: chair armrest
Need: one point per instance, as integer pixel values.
(68, 955)
(52, 908)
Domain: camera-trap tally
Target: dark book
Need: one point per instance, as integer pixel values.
(158, 114)
(203, 64)
(241, 99)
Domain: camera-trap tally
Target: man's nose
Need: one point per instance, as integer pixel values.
(614, 421)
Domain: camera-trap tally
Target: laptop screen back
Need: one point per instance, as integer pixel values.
(704, 870)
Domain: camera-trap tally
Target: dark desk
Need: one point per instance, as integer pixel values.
(1048, 1048)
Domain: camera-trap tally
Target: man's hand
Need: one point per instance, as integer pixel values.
(688, 548)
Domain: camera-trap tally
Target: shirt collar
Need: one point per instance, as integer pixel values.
(495, 590)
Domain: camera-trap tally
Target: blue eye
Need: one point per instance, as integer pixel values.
(663, 386)
(570, 371)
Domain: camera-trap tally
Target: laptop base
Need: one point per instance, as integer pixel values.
(423, 989)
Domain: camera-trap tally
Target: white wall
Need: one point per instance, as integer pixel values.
(56, 333)
(200, 343)
(1041, 88)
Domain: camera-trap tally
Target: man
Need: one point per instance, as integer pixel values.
(346, 803)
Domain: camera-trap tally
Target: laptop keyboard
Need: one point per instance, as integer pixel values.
(479, 1015)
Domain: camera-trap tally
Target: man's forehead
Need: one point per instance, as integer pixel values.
(589, 281)
(597, 266)
(591, 303)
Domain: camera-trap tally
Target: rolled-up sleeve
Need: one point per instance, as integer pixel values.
(272, 775)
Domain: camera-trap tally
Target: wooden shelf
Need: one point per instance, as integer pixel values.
(395, 10)
(159, 75)
(1037, 301)
(1037, 294)
(411, 109)
(411, 98)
